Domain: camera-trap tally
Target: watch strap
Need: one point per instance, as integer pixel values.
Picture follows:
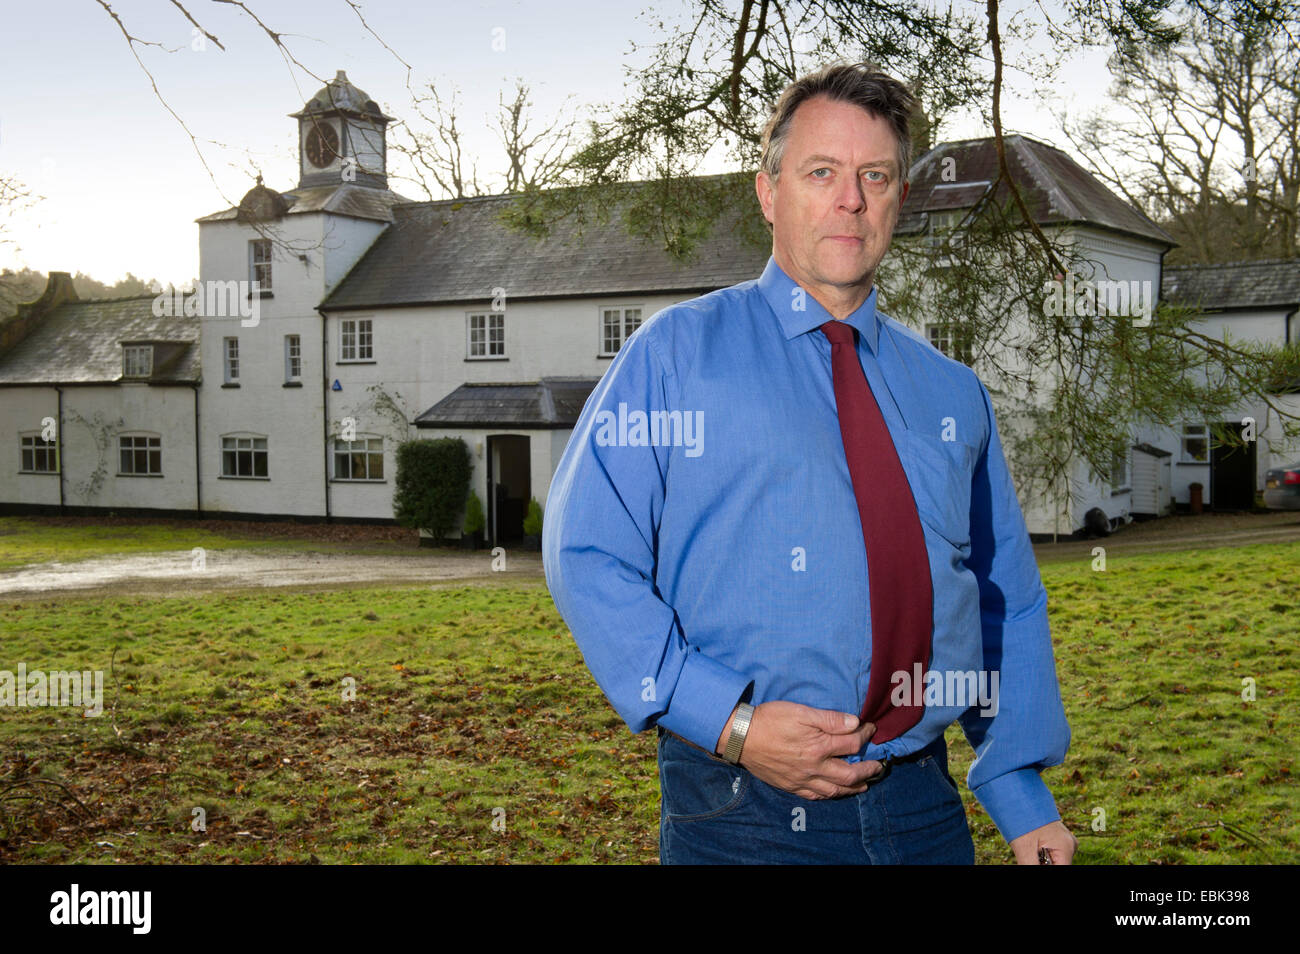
(739, 729)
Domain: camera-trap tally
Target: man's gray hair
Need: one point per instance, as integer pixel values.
(859, 84)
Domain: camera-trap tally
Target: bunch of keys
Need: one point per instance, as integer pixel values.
(1044, 856)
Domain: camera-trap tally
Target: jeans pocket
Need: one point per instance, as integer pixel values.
(695, 786)
(935, 767)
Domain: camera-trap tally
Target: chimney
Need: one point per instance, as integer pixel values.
(29, 314)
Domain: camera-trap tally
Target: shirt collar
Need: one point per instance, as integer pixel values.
(800, 312)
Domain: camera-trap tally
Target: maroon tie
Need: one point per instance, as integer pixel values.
(898, 568)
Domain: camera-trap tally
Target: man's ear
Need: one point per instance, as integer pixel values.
(903, 198)
(763, 186)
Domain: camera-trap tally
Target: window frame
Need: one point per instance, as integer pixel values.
(152, 451)
(487, 330)
(292, 342)
(261, 256)
(1120, 457)
(953, 346)
(940, 224)
(253, 450)
(602, 318)
(1188, 431)
(357, 334)
(230, 359)
(39, 446)
(136, 350)
(351, 452)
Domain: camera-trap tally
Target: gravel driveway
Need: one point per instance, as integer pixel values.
(173, 573)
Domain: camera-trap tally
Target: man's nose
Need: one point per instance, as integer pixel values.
(851, 197)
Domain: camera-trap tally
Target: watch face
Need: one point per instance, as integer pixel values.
(322, 145)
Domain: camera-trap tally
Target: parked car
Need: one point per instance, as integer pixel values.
(1282, 488)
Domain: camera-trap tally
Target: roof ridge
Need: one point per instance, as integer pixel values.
(101, 301)
(1241, 264)
(622, 183)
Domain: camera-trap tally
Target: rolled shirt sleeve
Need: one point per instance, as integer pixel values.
(1029, 730)
(599, 554)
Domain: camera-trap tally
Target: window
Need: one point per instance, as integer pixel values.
(616, 325)
(1118, 475)
(356, 340)
(139, 455)
(1196, 444)
(292, 358)
(941, 225)
(232, 360)
(950, 338)
(487, 336)
(259, 263)
(243, 457)
(39, 456)
(361, 459)
(137, 361)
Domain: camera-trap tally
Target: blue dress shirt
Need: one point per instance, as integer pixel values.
(702, 541)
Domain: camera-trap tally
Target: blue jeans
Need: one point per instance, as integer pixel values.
(712, 812)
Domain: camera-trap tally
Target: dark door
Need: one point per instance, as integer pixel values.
(508, 487)
(1232, 473)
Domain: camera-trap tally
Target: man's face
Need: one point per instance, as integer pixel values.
(834, 207)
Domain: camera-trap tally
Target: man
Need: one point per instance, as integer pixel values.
(700, 540)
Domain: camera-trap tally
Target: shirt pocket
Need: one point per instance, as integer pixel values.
(940, 473)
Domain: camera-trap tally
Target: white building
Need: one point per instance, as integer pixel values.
(376, 320)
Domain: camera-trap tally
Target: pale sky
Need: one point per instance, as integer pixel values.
(81, 126)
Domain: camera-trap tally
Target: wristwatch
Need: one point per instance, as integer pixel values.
(739, 729)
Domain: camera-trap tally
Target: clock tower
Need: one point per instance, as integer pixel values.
(341, 138)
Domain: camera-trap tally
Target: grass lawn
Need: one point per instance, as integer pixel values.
(477, 735)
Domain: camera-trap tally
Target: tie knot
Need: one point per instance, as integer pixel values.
(839, 332)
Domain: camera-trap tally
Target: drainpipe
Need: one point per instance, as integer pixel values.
(58, 443)
(325, 403)
(198, 443)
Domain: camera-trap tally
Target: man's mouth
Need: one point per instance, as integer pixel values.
(848, 239)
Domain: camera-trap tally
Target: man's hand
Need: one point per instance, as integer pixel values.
(800, 749)
(1055, 837)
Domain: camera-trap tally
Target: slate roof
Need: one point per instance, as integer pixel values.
(1057, 190)
(357, 201)
(79, 342)
(554, 402)
(460, 250)
(1273, 283)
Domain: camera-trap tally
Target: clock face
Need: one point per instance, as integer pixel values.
(322, 145)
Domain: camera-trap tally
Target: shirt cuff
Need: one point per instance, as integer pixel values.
(1018, 802)
(702, 701)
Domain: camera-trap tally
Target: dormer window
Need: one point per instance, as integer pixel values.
(942, 224)
(137, 361)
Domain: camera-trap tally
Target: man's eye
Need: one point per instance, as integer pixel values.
(815, 171)
(880, 175)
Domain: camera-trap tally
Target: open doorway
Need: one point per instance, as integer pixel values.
(1232, 474)
(509, 487)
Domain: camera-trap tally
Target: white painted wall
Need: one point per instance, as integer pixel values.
(23, 410)
(312, 251)
(421, 356)
(94, 418)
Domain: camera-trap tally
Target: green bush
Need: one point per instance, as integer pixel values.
(533, 520)
(432, 484)
(474, 520)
